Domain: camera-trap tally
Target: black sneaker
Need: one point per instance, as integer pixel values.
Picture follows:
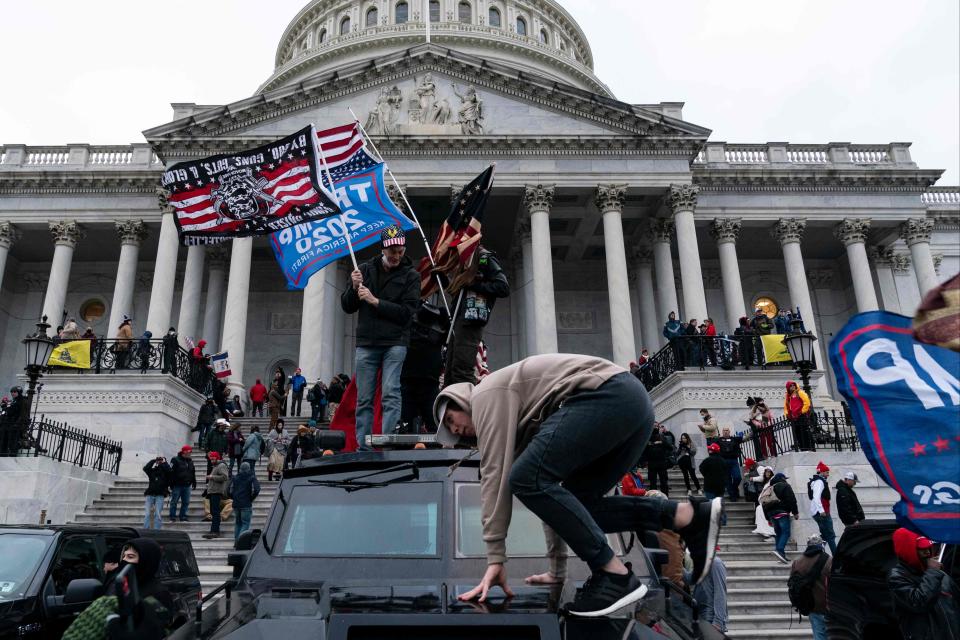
(701, 536)
(781, 557)
(603, 593)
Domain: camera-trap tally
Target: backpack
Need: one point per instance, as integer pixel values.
(800, 586)
(768, 497)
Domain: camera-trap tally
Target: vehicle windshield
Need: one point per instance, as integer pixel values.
(394, 520)
(21, 555)
(524, 538)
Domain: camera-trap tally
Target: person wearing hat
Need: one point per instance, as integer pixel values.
(217, 481)
(924, 596)
(12, 423)
(171, 345)
(385, 294)
(715, 472)
(303, 446)
(217, 437)
(809, 573)
(848, 504)
(121, 348)
(558, 431)
(778, 509)
(183, 478)
(819, 494)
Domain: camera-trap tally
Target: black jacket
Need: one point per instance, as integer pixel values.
(208, 413)
(787, 504)
(335, 392)
(388, 324)
(301, 448)
(244, 490)
(182, 472)
(848, 504)
(730, 447)
(490, 282)
(170, 342)
(715, 474)
(158, 478)
(657, 454)
(924, 603)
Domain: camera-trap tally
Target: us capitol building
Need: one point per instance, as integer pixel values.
(607, 215)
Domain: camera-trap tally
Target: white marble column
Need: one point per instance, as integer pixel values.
(884, 261)
(192, 293)
(132, 233)
(537, 200)
(213, 307)
(789, 231)
(235, 316)
(610, 199)
(528, 309)
(9, 235)
(164, 276)
(661, 230)
(66, 234)
(726, 231)
(852, 232)
(916, 233)
(649, 323)
(683, 202)
(313, 348)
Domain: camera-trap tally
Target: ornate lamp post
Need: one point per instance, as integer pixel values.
(38, 347)
(800, 345)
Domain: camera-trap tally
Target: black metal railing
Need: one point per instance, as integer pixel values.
(823, 431)
(58, 441)
(689, 353)
(111, 355)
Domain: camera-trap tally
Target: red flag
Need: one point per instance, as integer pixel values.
(345, 419)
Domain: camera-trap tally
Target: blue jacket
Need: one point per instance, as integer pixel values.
(297, 383)
(672, 329)
(244, 488)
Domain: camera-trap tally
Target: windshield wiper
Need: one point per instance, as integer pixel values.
(355, 483)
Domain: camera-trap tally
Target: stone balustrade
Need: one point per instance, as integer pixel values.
(78, 156)
(942, 197)
(834, 154)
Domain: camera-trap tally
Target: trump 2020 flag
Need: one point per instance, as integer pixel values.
(220, 363)
(905, 399)
(304, 249)
(254, 192)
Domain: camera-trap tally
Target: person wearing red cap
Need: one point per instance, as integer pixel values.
(714, 472)
(183, 478)
(924, 596)
(819, 494)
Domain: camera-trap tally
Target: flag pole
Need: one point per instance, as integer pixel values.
(413, 213)
(343, 223)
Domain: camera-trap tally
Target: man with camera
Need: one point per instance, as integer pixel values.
(158, 487)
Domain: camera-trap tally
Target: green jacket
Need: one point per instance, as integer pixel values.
(216, 441)
(92, 623)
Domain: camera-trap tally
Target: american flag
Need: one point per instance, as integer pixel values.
(345, 151)
(459, 237)
(254, 192)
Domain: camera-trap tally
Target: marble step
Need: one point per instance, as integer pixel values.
(768, 622)
(798, 631)
(755, 594)
(758, 607)
(195, 526)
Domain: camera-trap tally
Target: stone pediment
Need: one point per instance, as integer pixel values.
(426, 92)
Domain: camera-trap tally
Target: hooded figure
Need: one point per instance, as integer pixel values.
(924, 597)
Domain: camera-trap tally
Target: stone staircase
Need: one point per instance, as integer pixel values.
(757, 601)
(123, 505)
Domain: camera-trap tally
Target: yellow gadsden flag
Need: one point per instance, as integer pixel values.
(74, 354)
(773, 348)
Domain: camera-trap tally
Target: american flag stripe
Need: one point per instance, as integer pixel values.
(340, 143)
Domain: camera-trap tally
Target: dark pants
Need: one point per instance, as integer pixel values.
(297, 403)
(825, 524)
(182, 495)
(462, 356)
(657, 479)
(580, 453)
(215, 502)
(689, 473)
(418, 395)
(257, 410)
(733, 478)
(781, 527)
(169, 361)
(802, 438)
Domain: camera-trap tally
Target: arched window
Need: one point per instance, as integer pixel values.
(345, 26)
(494, 17)
(322, 37)
(372, 16)
(465, 13)
(434, 10)
(521, 26)
(544, 38)
(403, 12)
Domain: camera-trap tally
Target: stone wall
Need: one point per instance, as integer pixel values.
(29, 486)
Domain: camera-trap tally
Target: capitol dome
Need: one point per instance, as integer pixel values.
(534, 35)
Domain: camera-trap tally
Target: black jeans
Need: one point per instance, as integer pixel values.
(296, 404)
(580, 453)
(657, 479)
(215, 499)
(689, 473)
(417, 396)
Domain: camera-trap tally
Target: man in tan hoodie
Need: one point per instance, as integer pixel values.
(558, 431)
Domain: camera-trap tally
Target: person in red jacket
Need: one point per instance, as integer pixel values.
(632, 484)
(258, 394)
(709, 342)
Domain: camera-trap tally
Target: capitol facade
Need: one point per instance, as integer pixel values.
(607, 215)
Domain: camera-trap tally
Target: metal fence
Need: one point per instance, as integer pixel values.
(60, 442)
(823, 431)
(112, 355)
(688, 353)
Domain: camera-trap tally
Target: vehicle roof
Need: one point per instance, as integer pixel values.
(376, 459)
(53, 529)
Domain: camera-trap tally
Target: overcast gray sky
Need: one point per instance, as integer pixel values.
(802, 71)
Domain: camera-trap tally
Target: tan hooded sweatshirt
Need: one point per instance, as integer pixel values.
(507, 409)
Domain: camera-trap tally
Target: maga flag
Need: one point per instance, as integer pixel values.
(74, 354)
(459, 236)
(905, 399)
(250, 193)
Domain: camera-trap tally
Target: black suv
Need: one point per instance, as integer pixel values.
(379, 545)
(38, 565)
